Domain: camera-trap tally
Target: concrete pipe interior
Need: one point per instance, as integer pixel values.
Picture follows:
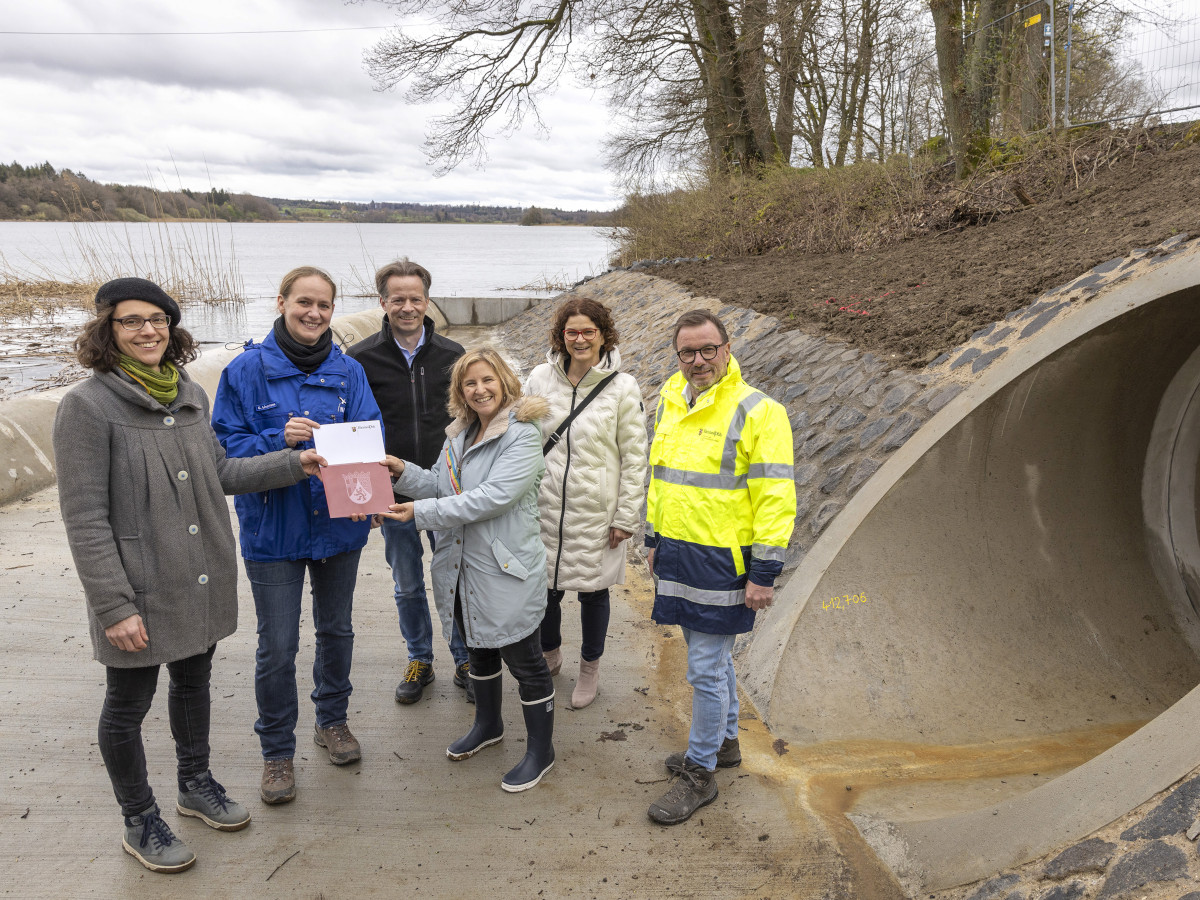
(1030, 576)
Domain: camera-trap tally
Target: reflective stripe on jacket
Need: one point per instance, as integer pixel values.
(722, 501)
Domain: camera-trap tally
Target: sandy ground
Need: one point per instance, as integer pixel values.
(405, 819)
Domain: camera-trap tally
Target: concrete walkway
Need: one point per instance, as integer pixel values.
(405, 819)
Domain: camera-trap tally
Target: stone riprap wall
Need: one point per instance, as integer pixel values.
(849, 409)
(1145, 854)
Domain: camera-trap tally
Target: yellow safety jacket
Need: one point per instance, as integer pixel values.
(721, 504)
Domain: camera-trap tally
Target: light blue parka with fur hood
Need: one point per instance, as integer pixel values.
(489, 546)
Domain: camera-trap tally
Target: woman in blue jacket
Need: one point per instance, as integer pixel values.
(273, 396)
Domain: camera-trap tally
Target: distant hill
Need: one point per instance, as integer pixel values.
(387, 211)
(43, 193)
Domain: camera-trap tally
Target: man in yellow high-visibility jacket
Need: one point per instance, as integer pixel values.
(719, 514)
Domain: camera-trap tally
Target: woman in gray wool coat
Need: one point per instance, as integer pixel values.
(142, 484)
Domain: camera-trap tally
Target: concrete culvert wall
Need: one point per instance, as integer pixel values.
(1008, 584)
(1025, 568)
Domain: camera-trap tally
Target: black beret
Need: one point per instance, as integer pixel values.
(113, 292)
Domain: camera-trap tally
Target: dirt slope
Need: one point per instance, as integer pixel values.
(911, 300)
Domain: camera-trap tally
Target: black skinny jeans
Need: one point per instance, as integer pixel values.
(593, 615)
(524, 660)
(126, 702)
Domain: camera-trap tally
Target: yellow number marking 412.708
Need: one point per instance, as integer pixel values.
(844, 601)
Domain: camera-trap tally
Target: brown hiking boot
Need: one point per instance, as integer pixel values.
(691, 789)
(278, 781)
(729, 756)
(343, 746)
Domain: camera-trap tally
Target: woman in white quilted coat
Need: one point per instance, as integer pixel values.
(591, 496)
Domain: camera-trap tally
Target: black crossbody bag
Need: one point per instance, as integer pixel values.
(566, 423)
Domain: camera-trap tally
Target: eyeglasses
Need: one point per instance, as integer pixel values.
(689, 356)
(135, 323)
(588, 334)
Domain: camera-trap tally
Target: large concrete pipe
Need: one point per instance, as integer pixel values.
(1027, 565)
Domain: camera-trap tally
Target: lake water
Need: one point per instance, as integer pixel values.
(465, 261)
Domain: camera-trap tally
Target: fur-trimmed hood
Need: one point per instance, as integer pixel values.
(482, 501)
(526, 409)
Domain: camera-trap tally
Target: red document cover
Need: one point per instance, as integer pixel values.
(357, 489)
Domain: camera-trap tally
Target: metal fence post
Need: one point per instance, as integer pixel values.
(1067, 88)
(1053, 80)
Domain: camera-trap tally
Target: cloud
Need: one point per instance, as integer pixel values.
(278, 115)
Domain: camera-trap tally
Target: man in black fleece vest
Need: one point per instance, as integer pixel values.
(408, 367)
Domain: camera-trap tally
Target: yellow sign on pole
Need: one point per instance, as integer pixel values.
(1033, 20)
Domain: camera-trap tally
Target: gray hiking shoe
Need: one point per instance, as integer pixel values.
(152, 843)
(728, 757)
(278, 781)
(206, 800)
(691, 789)
(343, 746)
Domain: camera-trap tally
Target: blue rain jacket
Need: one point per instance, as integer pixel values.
(259, 391)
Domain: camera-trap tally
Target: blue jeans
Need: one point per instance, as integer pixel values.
(278, 586)
(714, 695)
(402, 550)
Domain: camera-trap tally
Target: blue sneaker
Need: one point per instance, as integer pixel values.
(152, 843)
(206, 799)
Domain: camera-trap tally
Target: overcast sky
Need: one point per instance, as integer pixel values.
(280, 115)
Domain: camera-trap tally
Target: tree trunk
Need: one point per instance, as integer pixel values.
(1032, 104)
(983, 64)
(727, 94)
(752, 61)
(948, 42)
(866, 58)
(789, 72)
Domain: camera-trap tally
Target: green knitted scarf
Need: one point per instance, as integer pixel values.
(163, 386)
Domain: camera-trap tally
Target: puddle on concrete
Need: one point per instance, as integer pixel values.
(917, 781)
(893, 780)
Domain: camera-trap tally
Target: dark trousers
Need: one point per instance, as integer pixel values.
(593, 615)
(126, 702)
(524, 660)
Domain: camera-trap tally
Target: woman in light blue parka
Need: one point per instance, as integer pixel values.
(489, 567)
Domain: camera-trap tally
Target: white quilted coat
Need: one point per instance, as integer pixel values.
(595, 477)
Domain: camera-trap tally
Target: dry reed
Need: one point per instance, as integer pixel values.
(194, 262)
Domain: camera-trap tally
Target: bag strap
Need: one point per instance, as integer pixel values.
(566, 423)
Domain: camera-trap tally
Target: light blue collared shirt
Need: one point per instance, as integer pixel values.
(409, 355)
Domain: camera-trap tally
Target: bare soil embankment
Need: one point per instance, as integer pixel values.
(910, 300)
